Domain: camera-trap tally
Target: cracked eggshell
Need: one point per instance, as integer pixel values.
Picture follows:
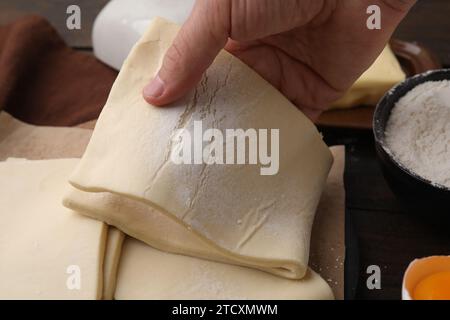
(421, 268)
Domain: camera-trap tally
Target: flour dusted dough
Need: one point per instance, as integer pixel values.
(147, 273)
(40, 239)
(245, 218)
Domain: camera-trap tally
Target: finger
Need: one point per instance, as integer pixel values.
(196, 45)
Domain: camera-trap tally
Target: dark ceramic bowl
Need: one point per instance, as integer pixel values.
(417, 194)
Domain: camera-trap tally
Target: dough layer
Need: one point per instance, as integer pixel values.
(147, 273)
(111, 260)
(47, 140)
(231, 212)
(43, 244)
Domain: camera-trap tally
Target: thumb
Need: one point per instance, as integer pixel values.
(196, 45)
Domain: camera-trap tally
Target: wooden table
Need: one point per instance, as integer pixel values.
(387, 236)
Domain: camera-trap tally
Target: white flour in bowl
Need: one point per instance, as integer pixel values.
(418, 131)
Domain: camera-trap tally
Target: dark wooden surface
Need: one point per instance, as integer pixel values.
(429, 24)
(387, 235)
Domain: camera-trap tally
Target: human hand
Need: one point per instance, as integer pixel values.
(310, 50)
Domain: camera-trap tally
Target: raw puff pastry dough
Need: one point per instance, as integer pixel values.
(229, 212)
(24, 141)
(48, 238)
(40, 238)
(147, 273)
(111, 260)
(140, 262)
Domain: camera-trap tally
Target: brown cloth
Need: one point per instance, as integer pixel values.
(43, 81)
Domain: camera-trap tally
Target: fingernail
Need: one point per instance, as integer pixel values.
(155, 88)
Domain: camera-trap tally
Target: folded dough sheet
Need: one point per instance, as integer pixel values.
(42, 242)
(144, 272)
(46, 249)
(226, 213)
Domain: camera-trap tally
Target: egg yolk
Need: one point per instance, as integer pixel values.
(433, 287)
